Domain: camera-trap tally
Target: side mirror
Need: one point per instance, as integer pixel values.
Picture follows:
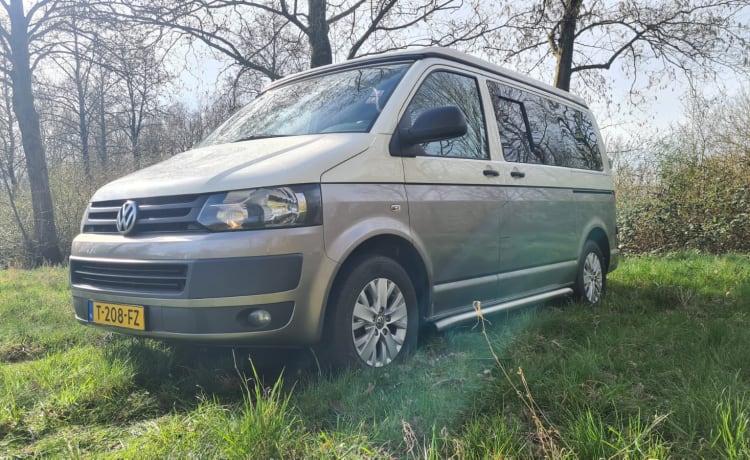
(436, 124)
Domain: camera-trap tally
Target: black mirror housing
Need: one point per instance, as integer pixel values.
(432, 125)
(436, 124)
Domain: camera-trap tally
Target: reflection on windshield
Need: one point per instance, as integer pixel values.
(343, 102)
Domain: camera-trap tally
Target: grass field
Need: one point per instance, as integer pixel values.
(661, 370)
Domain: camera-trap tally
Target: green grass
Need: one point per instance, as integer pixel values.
(668, 345)
(661, 370)
(33, 306)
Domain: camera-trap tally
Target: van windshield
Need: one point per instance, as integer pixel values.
(344, 102)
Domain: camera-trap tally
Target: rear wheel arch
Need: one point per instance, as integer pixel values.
(599, 236)
(591, 274)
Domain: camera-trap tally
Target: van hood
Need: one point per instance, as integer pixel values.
(241, 165)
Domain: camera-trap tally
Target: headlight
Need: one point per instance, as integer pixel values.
(272, 207)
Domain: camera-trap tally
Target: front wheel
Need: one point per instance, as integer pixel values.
(591, 281)
(373, 314)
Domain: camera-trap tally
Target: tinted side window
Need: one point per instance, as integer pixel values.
(447, 88)
(582, 141)
(537, 130)
(515, 133)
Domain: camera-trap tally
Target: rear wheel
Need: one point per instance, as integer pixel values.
(591, 282)
(373, 314)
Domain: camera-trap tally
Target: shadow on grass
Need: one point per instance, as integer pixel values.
(437, 386)
(178, 376)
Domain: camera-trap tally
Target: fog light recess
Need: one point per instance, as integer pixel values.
(259, 318)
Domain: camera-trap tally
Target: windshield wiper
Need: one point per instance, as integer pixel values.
(260, 136)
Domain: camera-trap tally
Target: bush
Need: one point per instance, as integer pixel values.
(701, 204)
(70, 189)
(689, 189)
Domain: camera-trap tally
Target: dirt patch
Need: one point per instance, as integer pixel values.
(25, 351)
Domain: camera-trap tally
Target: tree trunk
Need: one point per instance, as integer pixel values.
(101, 146)
(47, 249)
(565, 44)
(134, 135)
(83, 125)
(320, 44)
(84, 131)
(100, 138)
(11, 157)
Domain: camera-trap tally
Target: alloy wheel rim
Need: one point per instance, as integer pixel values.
(379, 322)
(593, 278)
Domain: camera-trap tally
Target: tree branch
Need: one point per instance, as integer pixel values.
(212, 39)
(346, 12)
(606, 65)
(374, 25)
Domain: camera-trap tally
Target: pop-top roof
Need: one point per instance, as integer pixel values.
(437, 53)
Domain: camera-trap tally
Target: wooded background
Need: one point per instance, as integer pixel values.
(88, 92)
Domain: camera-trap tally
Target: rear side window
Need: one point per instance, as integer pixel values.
(516, 139)
(537, 130)
(447, 88)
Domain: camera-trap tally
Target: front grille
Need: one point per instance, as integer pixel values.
(132, 277)
(155, 215)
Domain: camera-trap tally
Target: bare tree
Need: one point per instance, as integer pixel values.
(129, 67)
(75, 60)
(8, 166)
(22, 37)
(656, 38)
(8, 160)
(102, 91)
(272, 38)
(735, 122)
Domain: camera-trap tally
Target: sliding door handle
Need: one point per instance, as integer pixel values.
(491, 173)
(517, 174)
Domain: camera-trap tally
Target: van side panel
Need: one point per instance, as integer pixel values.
(355, 212)
(598, 213)
(539, 232)
(595, 198)
(560, 188)
(458, 225)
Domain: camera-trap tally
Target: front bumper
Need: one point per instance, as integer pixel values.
(203, 287)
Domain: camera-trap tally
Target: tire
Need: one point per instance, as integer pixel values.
(591, 281)
(372, 315)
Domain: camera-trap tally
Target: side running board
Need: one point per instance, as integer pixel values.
(493, 308)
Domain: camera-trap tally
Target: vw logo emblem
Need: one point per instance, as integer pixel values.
(126, 216)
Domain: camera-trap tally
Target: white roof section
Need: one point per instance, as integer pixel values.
(438, 53)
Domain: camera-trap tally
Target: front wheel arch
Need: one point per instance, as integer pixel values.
(359, 334)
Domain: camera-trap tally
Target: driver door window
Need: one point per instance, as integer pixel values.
(443, 88)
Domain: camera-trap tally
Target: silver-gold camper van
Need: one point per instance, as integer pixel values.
(349, 205)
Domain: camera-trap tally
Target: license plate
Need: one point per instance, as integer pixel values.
(112, 314)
